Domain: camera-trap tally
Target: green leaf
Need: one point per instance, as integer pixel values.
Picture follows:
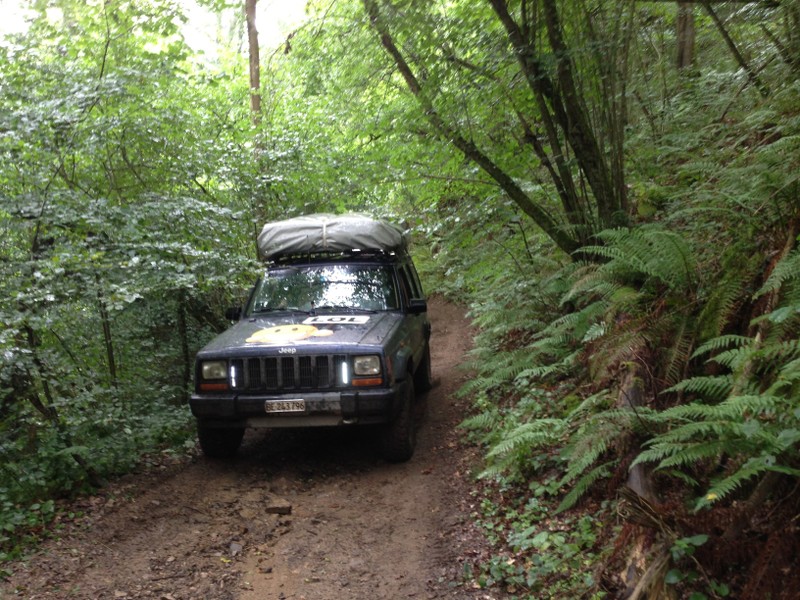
(673, 576)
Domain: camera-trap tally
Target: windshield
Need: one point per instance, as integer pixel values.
(319, 287)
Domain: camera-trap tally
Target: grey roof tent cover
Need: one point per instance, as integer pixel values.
(328, 233)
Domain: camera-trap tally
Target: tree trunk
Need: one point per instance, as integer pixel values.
(577, 127)
(685, 35)
(254, 60)
(470, 150)
(632, 396)
(561, 105)
(752, 75)
(185, 355)
(108, 340)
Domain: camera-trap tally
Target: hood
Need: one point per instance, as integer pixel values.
(321, 333)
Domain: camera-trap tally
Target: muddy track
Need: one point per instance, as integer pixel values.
(298, 515)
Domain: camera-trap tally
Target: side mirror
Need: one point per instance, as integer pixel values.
(417, 306)
(234, 313)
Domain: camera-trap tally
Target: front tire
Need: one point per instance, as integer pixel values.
(423, 378)
(220, 442)
(400, 436)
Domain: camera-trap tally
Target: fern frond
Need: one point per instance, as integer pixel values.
(753, 467)
(681, 476)
(591, 444)
(584, 483)
(712, 388)
(496, 369)
(754, 404)
(786, 269)
(733, 358)
(678, 353)
(721, 342)
(616, 350)
(788, 374)
(528, 435)
(656, 253)
(781, 351)
(596, 331)
(722, 304)
(695, 430)
(570, 321)
(733, 409)
(684, 454)
(540, 372)
(482, 421)
(590, 402)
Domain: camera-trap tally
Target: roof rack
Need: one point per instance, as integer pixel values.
(343, 255)
(324, 233)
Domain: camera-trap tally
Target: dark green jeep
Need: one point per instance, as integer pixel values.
(335, 333)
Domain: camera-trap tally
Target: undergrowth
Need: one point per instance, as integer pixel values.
(35, 480)
(697, 311)
(539, 556)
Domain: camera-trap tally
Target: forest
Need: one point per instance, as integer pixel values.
(610, 186)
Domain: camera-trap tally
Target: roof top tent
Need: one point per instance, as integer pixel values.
(326, 233)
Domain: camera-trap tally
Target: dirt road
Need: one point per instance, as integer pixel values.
(298, 515)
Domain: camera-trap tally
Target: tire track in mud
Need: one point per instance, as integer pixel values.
(359, 528)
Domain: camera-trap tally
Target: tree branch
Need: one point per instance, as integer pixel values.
(467, 147)
(751, 74)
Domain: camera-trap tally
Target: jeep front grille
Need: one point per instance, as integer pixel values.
(278, 373)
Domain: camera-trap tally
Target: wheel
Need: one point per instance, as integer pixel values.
(423, 379)
(220, 442)
(400, 436)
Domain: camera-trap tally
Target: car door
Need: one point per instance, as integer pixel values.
(419, 327)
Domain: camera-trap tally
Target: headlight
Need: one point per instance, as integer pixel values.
(214, 369)
(367, 365)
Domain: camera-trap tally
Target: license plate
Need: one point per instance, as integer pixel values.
(285, 406)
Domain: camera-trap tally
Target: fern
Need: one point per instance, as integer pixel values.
(712, 388)
(758, 420)
(721, 342)
(589, 404)
(751, 414)
(672, 454)
(660, 255)
(678, 353)
(753, 467)
(727, 294)
(584, 484)
(482, 421)
(528, 435)
(781, 351)
(646, 299)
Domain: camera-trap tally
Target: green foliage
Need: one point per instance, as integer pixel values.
(124, 236)
(751, 415)
(667, 295)
(542, 561)
(687, 580)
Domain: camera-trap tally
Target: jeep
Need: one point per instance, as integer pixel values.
(334, 334)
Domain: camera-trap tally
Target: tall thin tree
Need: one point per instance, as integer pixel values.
(254, 60)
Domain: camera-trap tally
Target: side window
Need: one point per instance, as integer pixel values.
(416, 286)
(405, 285)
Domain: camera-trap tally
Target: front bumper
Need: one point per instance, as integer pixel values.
(322, 409)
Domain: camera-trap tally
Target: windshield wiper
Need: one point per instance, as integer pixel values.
(271, 309)
(355, 309)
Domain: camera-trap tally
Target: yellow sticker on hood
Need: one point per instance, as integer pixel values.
(282, 334)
